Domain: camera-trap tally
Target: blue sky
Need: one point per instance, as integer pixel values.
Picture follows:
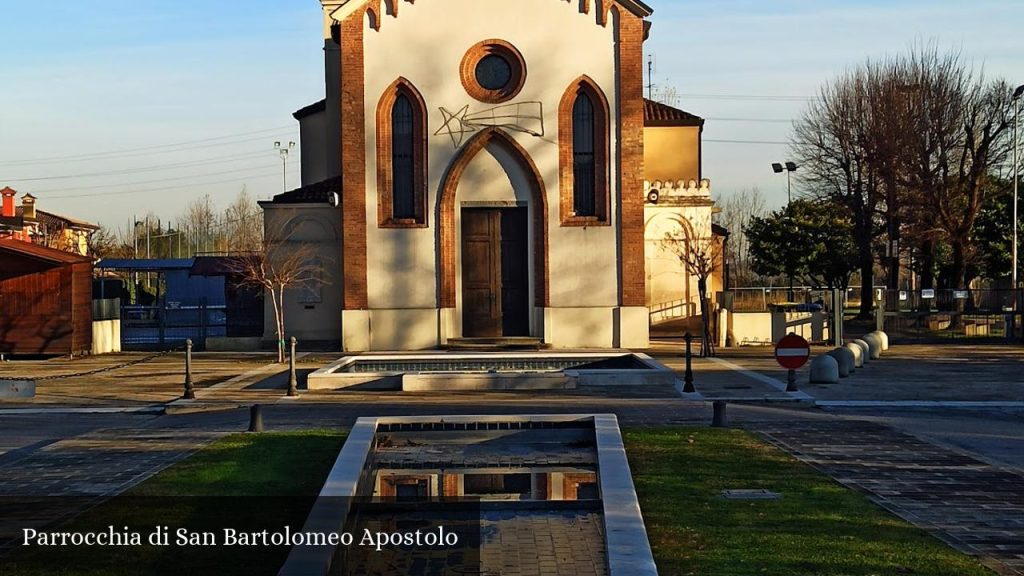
(97, 83)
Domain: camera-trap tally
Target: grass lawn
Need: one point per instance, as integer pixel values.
(818, 528)
(244, 480)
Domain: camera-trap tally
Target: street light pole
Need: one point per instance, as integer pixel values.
(1016, 183)
(283, 150)
(788, 168)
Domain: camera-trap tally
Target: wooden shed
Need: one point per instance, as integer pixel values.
(45, 300)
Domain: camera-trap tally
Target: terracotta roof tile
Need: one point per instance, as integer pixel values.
(42, 252)
(658, 114)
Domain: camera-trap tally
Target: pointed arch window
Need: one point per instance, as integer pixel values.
(401, 158)
(584, 167)
(584, 141)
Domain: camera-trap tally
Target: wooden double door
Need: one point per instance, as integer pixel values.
(495, 272)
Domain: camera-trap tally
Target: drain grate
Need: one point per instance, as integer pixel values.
(751, 495)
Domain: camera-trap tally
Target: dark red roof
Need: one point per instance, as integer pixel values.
(658, 114)
(319, 193)
(40, 252)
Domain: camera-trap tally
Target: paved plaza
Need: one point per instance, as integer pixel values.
(958, 473)
(972, 506)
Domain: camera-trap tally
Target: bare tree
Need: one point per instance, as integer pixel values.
(243, 224)
(738, 210)
(834, 143)
(200, 221)
(103, 243)
(278, 266)
(701, 257)
(958, 141)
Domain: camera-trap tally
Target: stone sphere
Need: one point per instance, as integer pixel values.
(844, 357)
(875, 345)
(824, 370)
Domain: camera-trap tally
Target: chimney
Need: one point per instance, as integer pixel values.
(8, 199)
(28, 207)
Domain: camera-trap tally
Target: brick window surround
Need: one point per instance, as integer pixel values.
(493, 47)
(602, 135)
(385, 174)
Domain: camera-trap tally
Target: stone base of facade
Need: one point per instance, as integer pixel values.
(425, 329)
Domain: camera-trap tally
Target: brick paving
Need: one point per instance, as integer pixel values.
(970, 505)
(543, 543)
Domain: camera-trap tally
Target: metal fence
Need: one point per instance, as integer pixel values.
(936, 315)
(169, 324)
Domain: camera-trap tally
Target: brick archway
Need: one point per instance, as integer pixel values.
(446, 215)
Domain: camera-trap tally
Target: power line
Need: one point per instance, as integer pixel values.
(173, 179)
(155, 168)
(134, 151)
(162, 189)
(766, 142)
(770, 120)
(746, 97)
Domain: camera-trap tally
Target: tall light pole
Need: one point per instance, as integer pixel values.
(1016, 183)
(283, 150)
(789, 168)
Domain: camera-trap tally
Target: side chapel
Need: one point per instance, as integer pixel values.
(490, 168)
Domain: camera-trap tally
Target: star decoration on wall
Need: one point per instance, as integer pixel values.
(526, 117)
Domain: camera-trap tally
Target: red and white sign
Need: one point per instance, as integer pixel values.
(792, 351)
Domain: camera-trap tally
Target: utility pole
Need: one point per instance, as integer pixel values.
(283, 150)
(1016, 183)
(650, 77)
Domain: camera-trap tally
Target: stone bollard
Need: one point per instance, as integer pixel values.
(190, 390)
(688, 387)
(293, 382)
(256, 418)
(875, 345)
(883, 338)
(719, 420)
(844, 357)
(858, 354)
(824, 370)
(865, 349)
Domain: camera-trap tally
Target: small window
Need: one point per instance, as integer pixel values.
(493, 72)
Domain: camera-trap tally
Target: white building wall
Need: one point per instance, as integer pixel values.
(425, 44)
(318, 226)
(313, 147)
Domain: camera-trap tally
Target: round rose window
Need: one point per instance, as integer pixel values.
(493, 71)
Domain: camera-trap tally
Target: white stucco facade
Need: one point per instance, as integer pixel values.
(423, 44)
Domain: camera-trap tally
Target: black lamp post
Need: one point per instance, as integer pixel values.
(788, 168)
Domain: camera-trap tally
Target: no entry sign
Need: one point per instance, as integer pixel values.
(792, 351)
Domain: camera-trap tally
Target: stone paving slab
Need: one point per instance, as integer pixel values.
(157, 380)
(943, 372)
(972, 506)
(53, 480)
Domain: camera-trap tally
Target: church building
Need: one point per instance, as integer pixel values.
(488, 169)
